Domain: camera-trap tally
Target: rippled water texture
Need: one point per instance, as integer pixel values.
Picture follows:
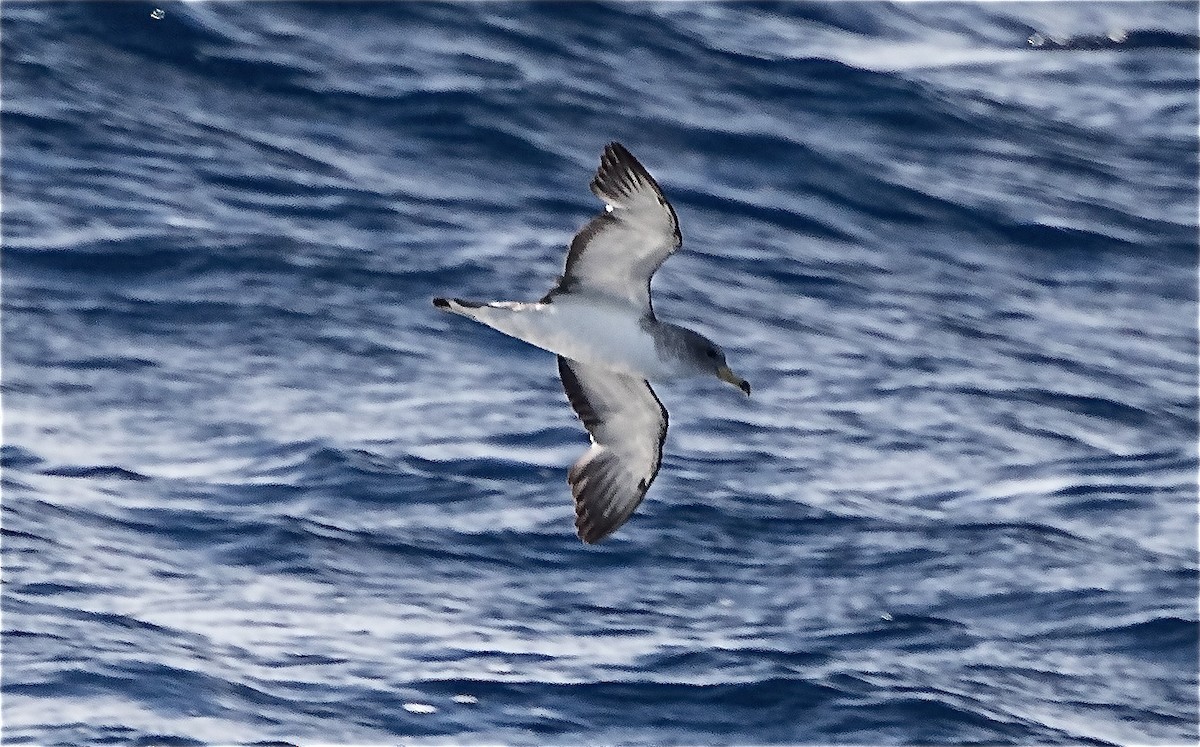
(257, 489)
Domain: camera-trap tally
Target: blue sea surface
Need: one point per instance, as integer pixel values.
(256, 489)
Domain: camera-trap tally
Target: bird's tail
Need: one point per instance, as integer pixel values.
(495, 314)
(513, 318)
(457, 305)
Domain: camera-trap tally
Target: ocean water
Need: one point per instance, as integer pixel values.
(256, 489)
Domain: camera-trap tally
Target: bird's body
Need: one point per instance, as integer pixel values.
(593, 330)
(600, 323)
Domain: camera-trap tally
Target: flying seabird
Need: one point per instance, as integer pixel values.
(600, 323)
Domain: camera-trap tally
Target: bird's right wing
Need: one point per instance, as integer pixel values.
(628, 425)
(616, 253)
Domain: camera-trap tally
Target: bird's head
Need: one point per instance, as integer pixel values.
(709, 358)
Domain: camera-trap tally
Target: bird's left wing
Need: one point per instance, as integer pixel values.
(616, 253)
(628, 425)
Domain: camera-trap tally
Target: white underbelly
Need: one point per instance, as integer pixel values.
(603, 335)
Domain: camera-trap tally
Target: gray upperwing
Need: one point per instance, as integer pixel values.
(618, 251)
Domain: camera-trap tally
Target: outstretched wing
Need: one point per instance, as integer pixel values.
(628, 426)
(617, 252)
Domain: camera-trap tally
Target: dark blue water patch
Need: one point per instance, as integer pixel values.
(61, 625)
(779, 217)
(303, 660)
(1093, 495)
(42, 589)
(363, 477)
(906, 632)
(1021, 531)
(942, 722)
(315, 465)
(1098, 373)
(1116, 39)
(797, 281)
(171, 740)
(174, 689)
(57, 388)
(1062, 239)
(312, 548)
(831, 15)
(117, 363)
(690, 663)
(180, 528)
(1171, 460)
(1104, 501)
(775, 709)
(850, 558)
(1036, 614)
(12, 633)
(14, 457)
(134, 258)
(533, 437)
(1101, 407)
(16, 535)
(1147, 718)
(180, 39)
(1172, 638)
(190, 528)
(831, 87)
(748, 531)
(103, 472)
(84, 733)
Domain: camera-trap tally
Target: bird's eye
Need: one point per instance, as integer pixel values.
(711, 353)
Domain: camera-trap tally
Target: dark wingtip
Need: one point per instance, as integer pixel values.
(745, 387)
(618, 149)
(591, 532)
(585, 527)
(441, 303)
(619, 173)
